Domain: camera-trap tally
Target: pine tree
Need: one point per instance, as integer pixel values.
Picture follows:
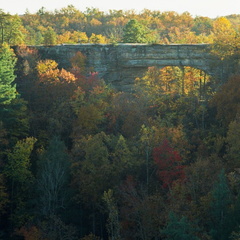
(179, 229)
(220, 209)
(135, 32)
(7, 65)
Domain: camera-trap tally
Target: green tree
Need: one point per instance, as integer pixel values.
(94, 168)
(50, 37)
(13, 109)
(18, 164)
(15, 118)
(179, 229)
(146, 140)
(18, 173)
(11, 29)
(232, 154)
(202, 25)
(113, 225)
(7, 67)
(135, 32)
(122, 154)
(52, 178)
(92, 173)
(219, 209)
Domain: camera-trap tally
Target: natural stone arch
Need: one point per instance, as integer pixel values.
(120, 64)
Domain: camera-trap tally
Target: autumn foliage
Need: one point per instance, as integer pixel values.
(82, 160)
(169, 164)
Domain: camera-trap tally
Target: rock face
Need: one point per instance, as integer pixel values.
(120, 64)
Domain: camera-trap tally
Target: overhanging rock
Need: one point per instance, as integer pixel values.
(120, 64)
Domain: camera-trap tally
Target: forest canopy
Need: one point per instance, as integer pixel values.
(80, 160)
(70, 25)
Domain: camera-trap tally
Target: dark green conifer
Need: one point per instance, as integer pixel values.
(7, 65)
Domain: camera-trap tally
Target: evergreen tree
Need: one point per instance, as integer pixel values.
(135, 32)
(7, 65)
(220, 214)
(179, 229)
(11, 29)
(15, 119)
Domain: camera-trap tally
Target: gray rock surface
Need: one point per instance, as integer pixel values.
(120, 64)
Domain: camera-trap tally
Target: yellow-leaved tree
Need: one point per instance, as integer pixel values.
(225, 39)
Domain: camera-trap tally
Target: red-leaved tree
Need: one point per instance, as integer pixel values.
(169, 164)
